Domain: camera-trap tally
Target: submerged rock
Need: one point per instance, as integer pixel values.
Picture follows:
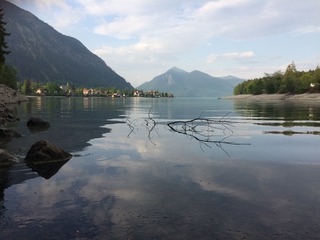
(37, 124)
(33, 121)
(46, 158)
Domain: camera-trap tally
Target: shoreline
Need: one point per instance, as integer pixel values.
(8, 99)
(279, 97)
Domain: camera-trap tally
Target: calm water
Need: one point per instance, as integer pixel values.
(182, 168)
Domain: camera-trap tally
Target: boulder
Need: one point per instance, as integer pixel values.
(37, 124)
(44, 151)
(46, 159)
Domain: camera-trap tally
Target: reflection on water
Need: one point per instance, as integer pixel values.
(121, 186)
(286, 110)
(286, 117)
(290, 133)
(47, 170)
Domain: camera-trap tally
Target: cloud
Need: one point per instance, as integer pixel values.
(48, 3)
(58, 13)
(124, 28)
(167, 27)
(40, 4)
(177, 19)
(234, 19)
(307, 29)
(230, 56)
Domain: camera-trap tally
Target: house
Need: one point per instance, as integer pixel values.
(137, 93)
(64, 88)
(41, 91)
(86, 91)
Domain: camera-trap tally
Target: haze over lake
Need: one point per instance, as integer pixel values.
(225, 169)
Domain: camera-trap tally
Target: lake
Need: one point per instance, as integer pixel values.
(167, 168)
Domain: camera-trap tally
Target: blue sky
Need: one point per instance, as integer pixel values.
(141, 39)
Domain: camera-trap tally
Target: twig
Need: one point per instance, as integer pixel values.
(201, 129)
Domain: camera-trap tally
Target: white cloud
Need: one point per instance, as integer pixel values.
(307, 29)
(126, 27)
(230, 56)
(58, 13)
(48, 3)
(40, 4)
(206, 19)
(236, 18)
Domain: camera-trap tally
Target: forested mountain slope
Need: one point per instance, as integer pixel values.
(42, 54)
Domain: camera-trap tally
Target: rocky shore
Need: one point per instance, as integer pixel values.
(271, 97)
(44, 157)
(8, 98)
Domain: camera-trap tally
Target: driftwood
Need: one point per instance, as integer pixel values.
(205, 130)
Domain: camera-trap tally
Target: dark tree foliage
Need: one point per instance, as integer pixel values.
(291, 81)
(26, 87)
(8, 74)
(3, 43)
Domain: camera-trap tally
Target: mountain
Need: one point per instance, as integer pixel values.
(232, 79)
(42, 54)
(193, 84)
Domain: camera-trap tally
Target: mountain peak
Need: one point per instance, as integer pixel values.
(175, 69)
(193, 84)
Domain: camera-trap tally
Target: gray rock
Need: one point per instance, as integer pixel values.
(33, 121)
(44, 151)
(37, 124)
(6, 135)
(7, 159)
(46, 159)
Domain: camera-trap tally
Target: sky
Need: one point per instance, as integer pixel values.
(141, 39)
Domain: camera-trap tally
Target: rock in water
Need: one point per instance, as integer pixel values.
(37, 124)
(46, 159)
(44, 152)
(7, 159)
(6, 135)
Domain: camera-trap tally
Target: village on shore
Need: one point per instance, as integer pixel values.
(30, 88)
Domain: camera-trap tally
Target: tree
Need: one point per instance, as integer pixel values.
(289, 83)
(52, 88)
(316, 77)
(26, 87)
(292, 81)
(305, 82)
(8, 76)
(3, 44)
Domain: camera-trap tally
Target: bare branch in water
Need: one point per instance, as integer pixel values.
(130, 125)
(150, 125)
(206, 131)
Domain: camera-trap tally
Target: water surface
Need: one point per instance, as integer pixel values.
(231, 170)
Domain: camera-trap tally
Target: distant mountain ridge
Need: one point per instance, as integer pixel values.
(42, 54)
(193, 84)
